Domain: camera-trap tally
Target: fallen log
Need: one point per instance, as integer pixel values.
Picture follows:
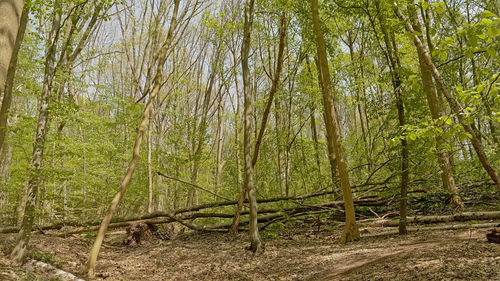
(424, 228)
(468, 216)
(123, 222)
(45, 267)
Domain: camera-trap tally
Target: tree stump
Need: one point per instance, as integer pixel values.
(494, 236)
(138, 233)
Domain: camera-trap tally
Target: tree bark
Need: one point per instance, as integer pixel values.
(8, 87)
(10, 17)
(351, 232)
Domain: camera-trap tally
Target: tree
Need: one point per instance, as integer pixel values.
(255, 242)
(455, 106)
(19, 252)
(156, 86)
(267, 111)
(395, 68)
(67, 55)
(436, 113)
(351, 232)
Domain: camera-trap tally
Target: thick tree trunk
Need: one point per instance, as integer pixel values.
(157, 82)
(8, 87)
(35, 177)
(351, 231)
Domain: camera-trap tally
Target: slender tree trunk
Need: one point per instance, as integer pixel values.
(358, 90)
(199, 142)
(157, 82)
(394, 62)
(8, 87)
(255, 242)
(315, 138)
(267, 111)
(351, 231)
(150, 173)
(279, 145)
(220, 135)
(35, 177)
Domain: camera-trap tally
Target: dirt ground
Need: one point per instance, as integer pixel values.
(298, 254)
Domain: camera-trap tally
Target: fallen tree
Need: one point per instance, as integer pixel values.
(442, 227)
(468, 216)
(125, 221)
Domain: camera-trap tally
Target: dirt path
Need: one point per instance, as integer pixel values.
(348, 263)
(298, 255)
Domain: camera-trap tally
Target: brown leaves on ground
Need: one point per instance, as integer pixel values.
(301, 254)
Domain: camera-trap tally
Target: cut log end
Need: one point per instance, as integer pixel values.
(138, 233)
(494, 236)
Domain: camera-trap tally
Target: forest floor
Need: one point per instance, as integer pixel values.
(299, 253)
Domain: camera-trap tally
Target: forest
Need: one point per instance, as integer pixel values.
(249, 140)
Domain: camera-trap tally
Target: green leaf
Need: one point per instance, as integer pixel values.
(443, 55)
(487, 21)
(488, 14)
(425, 5)
(480, 88)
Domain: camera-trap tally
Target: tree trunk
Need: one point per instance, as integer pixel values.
(274, 89)
(8, 87)
(255, 242)
(150, 173)
(35, 177)
(162, 56)
(9, 25)
(351, 231)
(219, 139)
(394, 62)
